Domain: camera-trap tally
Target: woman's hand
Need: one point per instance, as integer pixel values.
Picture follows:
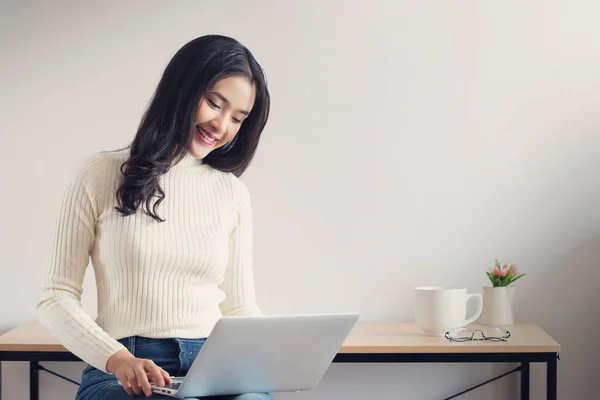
(133, 373)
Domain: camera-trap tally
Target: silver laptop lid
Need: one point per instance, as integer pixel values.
(267, 354)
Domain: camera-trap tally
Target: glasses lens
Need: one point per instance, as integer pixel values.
(460, 334)
(495, 333)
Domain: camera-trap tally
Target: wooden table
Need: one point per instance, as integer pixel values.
(368, 343)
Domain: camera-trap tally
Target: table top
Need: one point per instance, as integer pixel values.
(366, 337)
(406, 337)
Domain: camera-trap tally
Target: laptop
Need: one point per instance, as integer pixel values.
(263, 355)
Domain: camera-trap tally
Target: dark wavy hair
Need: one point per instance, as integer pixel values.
(166, 129)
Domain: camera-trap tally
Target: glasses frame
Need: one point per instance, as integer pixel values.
(483, 336)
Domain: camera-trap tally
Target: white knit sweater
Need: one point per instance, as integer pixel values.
(159, 280)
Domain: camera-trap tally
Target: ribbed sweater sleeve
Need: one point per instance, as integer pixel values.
(60, 309)
(238, 283)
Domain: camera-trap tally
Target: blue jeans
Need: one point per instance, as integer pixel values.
(173, 355)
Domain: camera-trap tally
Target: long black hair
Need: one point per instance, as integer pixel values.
(166, 129)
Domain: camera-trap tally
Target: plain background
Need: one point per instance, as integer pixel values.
(410, 143)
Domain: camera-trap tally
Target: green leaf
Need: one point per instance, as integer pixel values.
(518, 277)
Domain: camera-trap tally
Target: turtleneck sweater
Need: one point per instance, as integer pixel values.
(154, 279)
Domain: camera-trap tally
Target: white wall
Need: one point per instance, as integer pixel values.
(410, 143)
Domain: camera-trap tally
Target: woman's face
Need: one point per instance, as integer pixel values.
(220, 114)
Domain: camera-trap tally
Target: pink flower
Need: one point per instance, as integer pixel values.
(514, 270)
(504, 272)
(496, 271)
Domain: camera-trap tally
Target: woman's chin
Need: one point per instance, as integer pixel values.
(199, 151)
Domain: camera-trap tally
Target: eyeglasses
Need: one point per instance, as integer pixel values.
(464, 334)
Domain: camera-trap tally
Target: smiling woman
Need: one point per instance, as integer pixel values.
(212, 82)
(220, 115)
(167, 225)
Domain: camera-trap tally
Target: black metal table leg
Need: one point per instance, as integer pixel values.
(525, 381)
(551, 377)
(34, 380)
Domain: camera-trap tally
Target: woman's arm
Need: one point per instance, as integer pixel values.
(59, 305)
(238, 283)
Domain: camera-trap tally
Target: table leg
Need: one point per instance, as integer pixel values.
(525, 381)
(0, 380)
(551, 377)
(34, 380)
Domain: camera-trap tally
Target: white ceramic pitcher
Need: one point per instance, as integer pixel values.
(497, 305)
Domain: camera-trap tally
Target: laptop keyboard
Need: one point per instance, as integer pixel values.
(175, 385)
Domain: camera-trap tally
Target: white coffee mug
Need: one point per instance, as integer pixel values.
(439, 309)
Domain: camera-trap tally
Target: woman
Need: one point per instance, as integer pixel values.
(168, 227)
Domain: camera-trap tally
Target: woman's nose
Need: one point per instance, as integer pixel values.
(219, 126)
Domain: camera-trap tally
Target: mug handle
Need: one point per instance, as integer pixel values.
(479, 307)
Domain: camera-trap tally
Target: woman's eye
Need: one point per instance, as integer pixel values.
(213, 104)
(237, 121)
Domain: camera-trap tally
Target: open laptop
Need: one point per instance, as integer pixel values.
(263, 355)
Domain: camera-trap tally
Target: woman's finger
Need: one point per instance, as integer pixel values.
(127, 387)
(166, 376)
(143, 380)
(155, 374)
(133, 382)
